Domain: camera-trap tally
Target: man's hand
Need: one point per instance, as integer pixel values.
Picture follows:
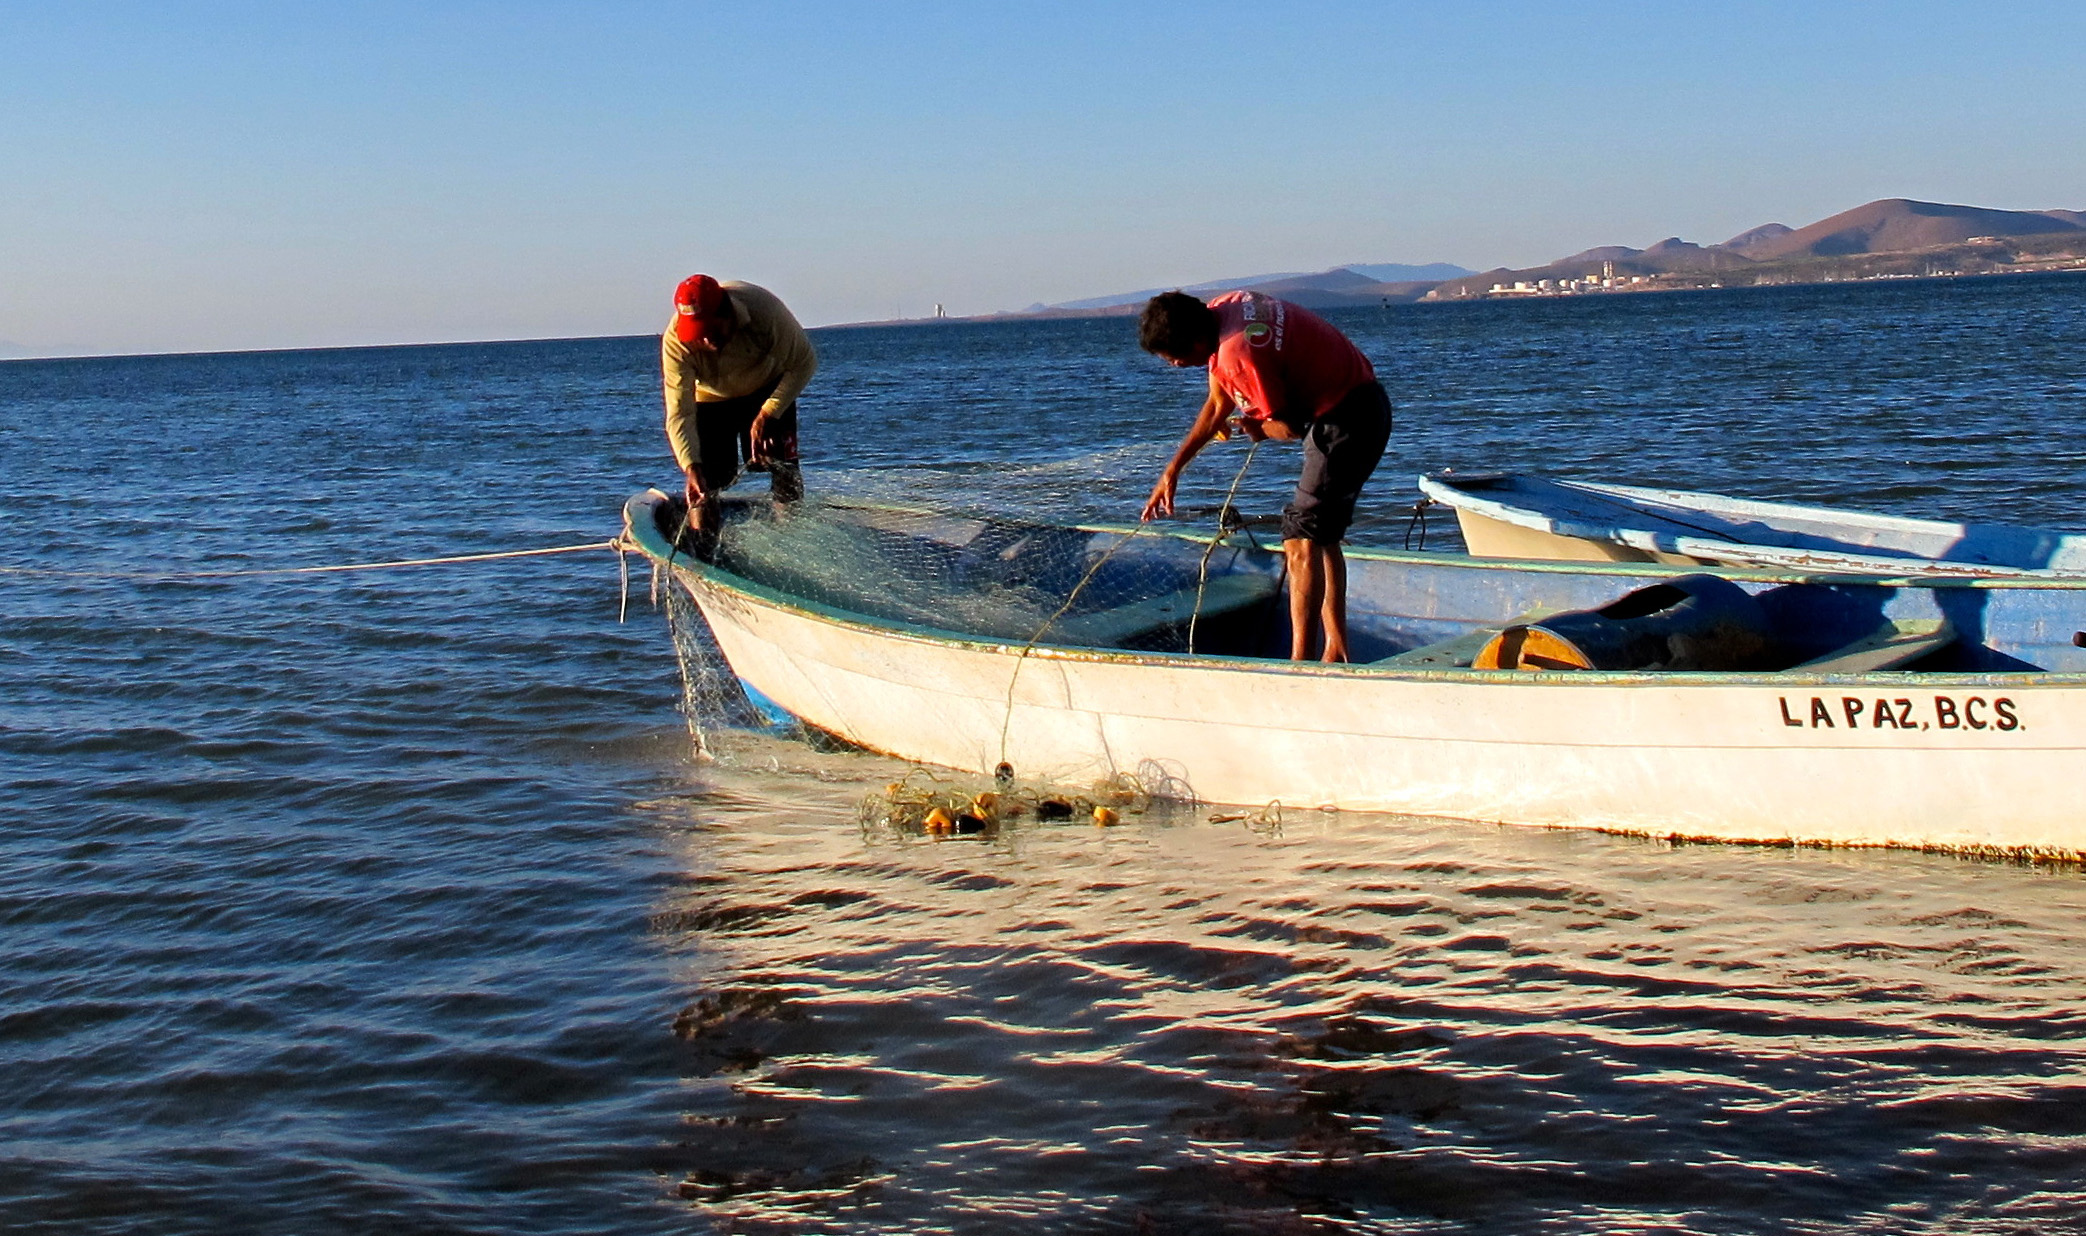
(757, 440)
(693, 491)
(1161, 501)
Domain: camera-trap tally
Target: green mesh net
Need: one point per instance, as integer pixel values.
(989, 566)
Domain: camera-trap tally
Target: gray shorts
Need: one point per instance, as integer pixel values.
(1341, 450)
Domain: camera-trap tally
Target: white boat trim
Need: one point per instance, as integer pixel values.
(1626, 523)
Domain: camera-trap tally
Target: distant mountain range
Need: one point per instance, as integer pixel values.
(1892, 237)
(1360, 283)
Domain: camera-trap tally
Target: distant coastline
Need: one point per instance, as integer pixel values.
(1892, 238)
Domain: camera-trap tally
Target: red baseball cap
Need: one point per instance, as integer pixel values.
(698, 300)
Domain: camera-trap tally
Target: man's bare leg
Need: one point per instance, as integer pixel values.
(1333, 564)
(1306, 595)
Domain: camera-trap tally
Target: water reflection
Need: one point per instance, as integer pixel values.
(1354, 1023)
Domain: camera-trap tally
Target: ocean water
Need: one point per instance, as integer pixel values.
(398, 901)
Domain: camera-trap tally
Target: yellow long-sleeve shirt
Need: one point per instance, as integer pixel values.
(768, 346)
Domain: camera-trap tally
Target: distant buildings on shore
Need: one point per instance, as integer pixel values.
(1891, 238)
(1608, 281)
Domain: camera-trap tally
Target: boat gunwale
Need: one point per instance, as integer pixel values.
(649, 542)
(1719, 504)
(1889, 567)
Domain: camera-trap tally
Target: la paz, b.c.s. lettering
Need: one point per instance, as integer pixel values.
(1942, 712)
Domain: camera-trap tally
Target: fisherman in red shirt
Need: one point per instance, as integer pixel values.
(1289, 374)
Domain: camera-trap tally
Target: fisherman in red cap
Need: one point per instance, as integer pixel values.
(734, 360)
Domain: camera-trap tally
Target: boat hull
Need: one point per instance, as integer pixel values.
(1496, 538)
(1971, 762)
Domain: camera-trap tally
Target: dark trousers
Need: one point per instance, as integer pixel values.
(724, 444)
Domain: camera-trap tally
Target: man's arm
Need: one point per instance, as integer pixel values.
(679, 383)
(1208, 424)
(794, 357)
(789, 350)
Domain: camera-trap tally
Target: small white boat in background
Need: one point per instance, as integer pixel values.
(1504, 515)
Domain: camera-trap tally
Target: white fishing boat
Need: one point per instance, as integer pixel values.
(1942, 713)
(1505, 515)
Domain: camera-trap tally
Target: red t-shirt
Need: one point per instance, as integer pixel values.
(1282, 361)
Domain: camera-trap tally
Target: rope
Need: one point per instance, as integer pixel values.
(1202, 569)
(622, 548)
(1007, 718)
(1418, 524)
(1007, 721)
(316, 570)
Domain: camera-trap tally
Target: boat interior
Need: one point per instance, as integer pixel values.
(1144, 589)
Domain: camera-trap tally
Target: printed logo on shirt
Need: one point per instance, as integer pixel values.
(1258, 334)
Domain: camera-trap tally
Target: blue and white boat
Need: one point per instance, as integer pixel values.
(1505, 515)
(1924, 711)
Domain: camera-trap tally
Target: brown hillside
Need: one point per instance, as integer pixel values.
(1396, 292)
(1324, 281)
(1606, 253)
(1746, 242)
(1897, 224)
(1673, 254)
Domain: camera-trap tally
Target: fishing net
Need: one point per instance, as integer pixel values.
(1013, 555)
(1049, 554)
(712, 701)
(937, 803)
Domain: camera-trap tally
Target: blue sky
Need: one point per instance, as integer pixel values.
(178, 177)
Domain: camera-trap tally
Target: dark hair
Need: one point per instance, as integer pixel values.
(1176, 324)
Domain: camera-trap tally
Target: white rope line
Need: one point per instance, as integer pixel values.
(1202, 581)
(622, 549)
(1202, 569)
(314, 570)
(1007, 720)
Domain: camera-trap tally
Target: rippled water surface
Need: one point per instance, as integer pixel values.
(396, 901)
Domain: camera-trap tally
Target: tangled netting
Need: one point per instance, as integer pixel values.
(941, 804)
(711, 698)
(927, 801)
(1010, 562)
